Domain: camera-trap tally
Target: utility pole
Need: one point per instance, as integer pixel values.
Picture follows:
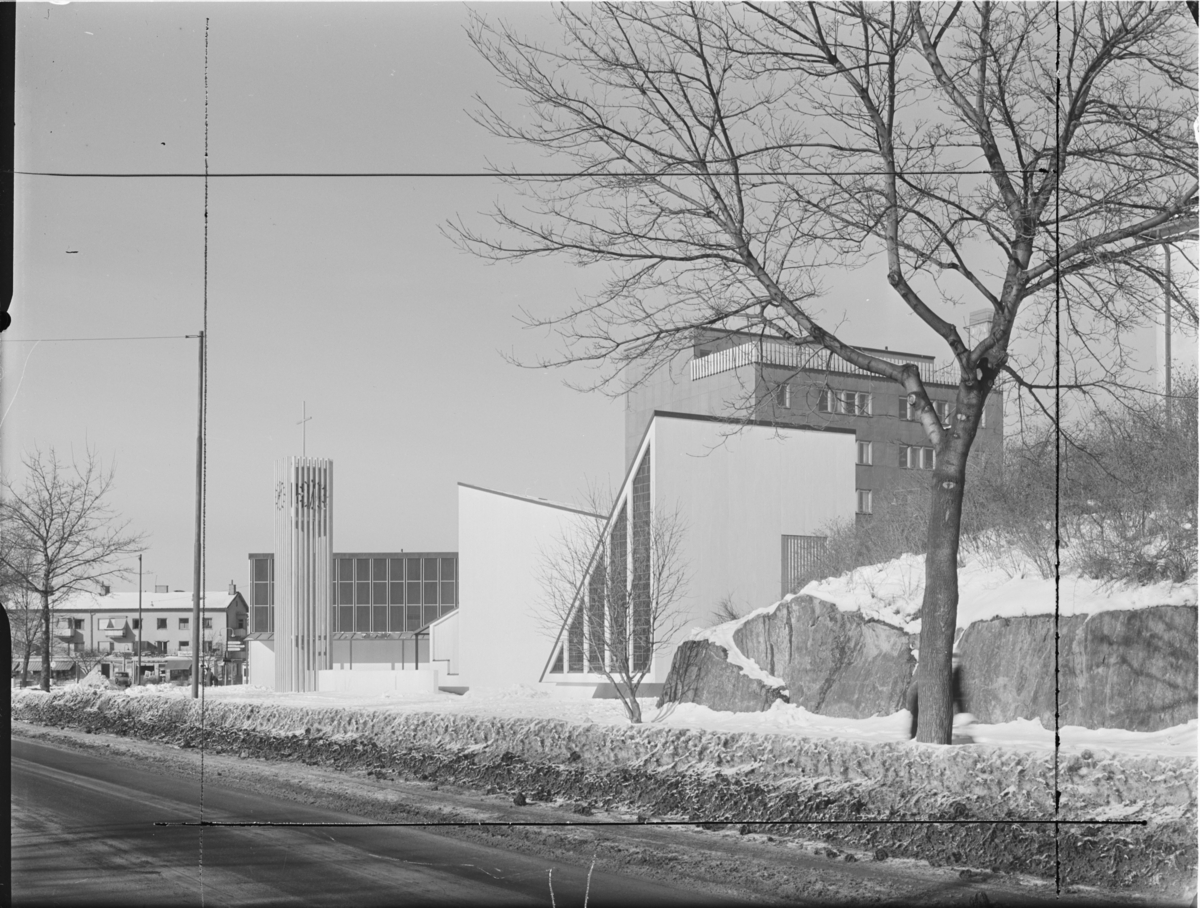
(196, 581)
(139, 643)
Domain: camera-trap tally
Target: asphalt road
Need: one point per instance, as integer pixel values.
(84, 833)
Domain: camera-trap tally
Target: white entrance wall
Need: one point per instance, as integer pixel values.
(504, 638)
(260, 657)
(377, 679)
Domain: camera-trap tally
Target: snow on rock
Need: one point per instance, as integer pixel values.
(722, 635)
(891, 592)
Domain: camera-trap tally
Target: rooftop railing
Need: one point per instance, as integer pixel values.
(777, 353)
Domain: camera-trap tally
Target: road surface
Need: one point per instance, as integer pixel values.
(84, 833)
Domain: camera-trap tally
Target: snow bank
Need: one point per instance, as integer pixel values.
(789, 777)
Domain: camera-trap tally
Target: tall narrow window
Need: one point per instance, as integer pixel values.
(618, 605)
(783, 396)
(362, 594)
(431, 582)
(641, 602)
(412, 585)
(449, 576)
(864, 453)
(379, 589)
(396, 581)
(595, 616)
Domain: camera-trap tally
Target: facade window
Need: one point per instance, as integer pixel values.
(185, 644)
(241, 622)
(783, 396)
(412, 581)
(379, 581)
(136, 624)
(449, 583)
(845, 403)
(864, 501)
(864, 454)
(183, 623)
(908, 411)
(942, 409)
(345, 581)
(397, 582)
(914, 457)
(206, 623)
(262, 596)
(431, 585)
(77, 623)
(854, 403)
(161, 624)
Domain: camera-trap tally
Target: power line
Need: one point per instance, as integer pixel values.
(53, 340)
(515, 175)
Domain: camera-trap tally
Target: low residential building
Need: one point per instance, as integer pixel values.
(108, 623)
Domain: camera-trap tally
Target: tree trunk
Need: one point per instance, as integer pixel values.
(939, 609)
(46, 642)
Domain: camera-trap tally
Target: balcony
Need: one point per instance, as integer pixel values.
(778, 353)
(64, 629)
(113, 628)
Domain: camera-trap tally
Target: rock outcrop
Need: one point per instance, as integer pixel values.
(702, 673)
(1132, 669)
(832, 662)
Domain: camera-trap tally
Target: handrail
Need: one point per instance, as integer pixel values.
(776, 353)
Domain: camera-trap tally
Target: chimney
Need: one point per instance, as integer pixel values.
(162, 588)
(232, 587)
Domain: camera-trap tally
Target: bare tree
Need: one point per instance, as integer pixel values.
(1028, 157)
(614, 604)
(24, 620)
(63, 533)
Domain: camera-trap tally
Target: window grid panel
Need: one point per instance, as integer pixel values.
(800, 554)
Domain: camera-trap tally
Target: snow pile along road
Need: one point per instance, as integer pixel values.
(716, 776)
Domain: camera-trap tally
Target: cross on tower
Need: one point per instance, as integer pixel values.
(304, 431)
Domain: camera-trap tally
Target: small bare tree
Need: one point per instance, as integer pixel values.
(60, 533)
(615, 603)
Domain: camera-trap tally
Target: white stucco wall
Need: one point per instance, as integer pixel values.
(739, 492)
(502, 638)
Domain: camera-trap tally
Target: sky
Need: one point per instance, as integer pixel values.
(340, 299)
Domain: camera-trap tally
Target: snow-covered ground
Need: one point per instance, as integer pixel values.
(782, 719)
